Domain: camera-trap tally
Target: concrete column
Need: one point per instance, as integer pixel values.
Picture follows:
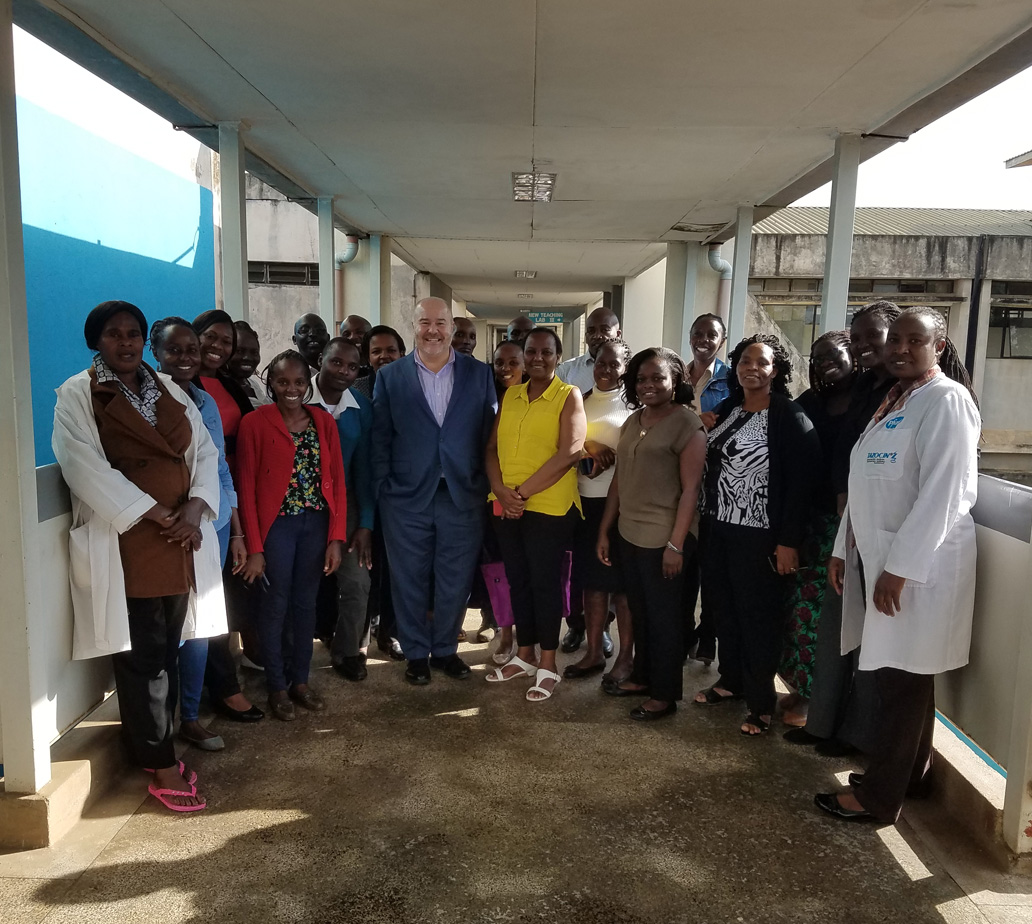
(233, 215)
(740, 276)
(982, 336)
(839, 250)
(380, 279)
(326, 264)
(960, 312)
(23, 652)
(674, 293)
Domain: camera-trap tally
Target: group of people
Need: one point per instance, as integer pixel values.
(353, 485)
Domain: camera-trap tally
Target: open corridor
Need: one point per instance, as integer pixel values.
(462, 802)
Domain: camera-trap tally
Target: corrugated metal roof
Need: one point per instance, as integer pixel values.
(905, 222)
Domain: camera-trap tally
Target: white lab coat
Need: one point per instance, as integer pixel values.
(105, 504)
(912, 482)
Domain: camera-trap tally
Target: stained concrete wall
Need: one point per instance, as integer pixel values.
(893, 256)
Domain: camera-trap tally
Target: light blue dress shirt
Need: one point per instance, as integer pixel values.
(437, 386)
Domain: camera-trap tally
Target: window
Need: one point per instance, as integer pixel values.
(283, 274)
(1010, 333)
(1011, 288)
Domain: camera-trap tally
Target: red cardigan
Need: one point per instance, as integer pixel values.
(265, 461)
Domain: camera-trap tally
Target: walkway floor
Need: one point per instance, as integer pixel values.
(462, 802)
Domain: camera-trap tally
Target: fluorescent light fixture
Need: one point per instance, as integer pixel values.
(533, 187)
(525, 274)
(524, 295)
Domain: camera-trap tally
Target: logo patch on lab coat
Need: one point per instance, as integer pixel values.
(881, 458)
(895, 422)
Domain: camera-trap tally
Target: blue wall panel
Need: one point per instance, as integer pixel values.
(101, 223)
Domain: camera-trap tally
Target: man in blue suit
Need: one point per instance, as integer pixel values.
(432, 414)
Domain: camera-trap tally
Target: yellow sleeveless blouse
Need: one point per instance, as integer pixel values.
(528, 436)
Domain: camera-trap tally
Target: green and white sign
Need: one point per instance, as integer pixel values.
(546, 317)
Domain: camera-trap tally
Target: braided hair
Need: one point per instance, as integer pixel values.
(622, 347)
(159, 330)
(287, 356)
(782, 362)
(949, 360)
(839, 338)
(882, 308)
(683, 392)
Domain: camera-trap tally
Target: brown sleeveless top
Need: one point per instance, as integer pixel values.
(153, 459)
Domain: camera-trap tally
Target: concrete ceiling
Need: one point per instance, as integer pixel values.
(654, 114)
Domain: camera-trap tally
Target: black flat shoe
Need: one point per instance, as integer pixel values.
(607, 644)
(254, 714)
(828, 802)
(832, 747)
(452, 665)
(572, 640)
(800, 736)
(641, 714)
(855, 779)
(418, 672)
(573, 672)
(392, 649)
(352, 668)
(614, 689)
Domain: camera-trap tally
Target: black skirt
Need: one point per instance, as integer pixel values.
(588, 571)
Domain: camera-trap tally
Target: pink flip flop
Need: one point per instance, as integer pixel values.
(191, 779)
(162, 795)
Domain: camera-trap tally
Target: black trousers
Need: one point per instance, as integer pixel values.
(657, 614)
(220, 676)
(147, 678)
(534, 549)
(748, 599)
(901, 752)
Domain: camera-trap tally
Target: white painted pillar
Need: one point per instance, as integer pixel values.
(982, 337)
(380, 281)
(233, 215)
(23, 652)
(740, 276)
(839, 250)
(673, 293)
(327, 272)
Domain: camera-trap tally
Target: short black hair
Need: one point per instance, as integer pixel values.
(782, 362)
(103, 313)
(709, 317)
(551, 333)
(683, 392)
(291, 356)
(342, 341)
(160, 328)
(375, 331)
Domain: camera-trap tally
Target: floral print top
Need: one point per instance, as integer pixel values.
(304, 492)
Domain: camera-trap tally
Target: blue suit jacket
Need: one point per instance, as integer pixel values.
(410, 452)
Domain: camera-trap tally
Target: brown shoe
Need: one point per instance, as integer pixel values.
(283, 709)
(309, 699)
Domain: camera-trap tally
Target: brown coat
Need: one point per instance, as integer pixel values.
(153, 459)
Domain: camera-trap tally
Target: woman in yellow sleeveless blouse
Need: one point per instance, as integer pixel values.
(537, 440)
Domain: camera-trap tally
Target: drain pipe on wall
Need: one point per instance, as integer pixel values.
(720, 265)
(342, 257)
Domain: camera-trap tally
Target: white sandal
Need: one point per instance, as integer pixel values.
(526, 670)
(543, 674)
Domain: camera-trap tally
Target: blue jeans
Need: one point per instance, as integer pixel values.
(295, 551)
(193, 655)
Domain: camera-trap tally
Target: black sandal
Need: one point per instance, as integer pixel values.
(713, 698)
(761, 724)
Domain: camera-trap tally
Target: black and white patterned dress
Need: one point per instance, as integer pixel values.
(738, 470)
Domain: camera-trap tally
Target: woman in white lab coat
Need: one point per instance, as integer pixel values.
(904, 557)
(144, 563)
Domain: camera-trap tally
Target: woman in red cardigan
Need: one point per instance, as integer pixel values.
(292, 503)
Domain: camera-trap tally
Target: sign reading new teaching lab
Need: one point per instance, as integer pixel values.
(546, 317)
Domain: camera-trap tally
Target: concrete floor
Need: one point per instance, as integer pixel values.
(462, 802)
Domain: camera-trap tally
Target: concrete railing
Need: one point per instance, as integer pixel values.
(991, 698)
